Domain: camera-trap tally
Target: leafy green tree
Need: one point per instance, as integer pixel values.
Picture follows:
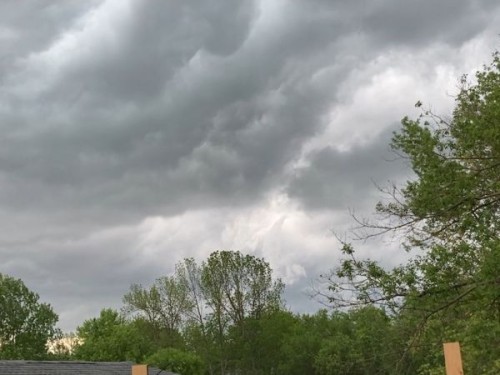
(198, 330)
(265, 346)
(200, 340)
(164, 304)
(111, 338)
(180, 362)
(302, 343)
(359, 344)
(214, 309)
(188, 273)
(26, 325)
(259, 349)
(236, 287)
(353, 342)
(240, 285)
(162, 309)
(450, 215)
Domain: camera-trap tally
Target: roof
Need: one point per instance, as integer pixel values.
(71, 368)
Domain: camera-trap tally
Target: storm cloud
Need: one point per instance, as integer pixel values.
(135, 133)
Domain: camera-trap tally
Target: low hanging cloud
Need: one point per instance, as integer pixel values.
(137, 133)
(358, 172)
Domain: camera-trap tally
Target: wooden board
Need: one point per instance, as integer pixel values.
(139, 369)
(453, 358)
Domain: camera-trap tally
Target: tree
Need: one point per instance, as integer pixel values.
(111, 338)
(198, 331)
(164, 304)
(265, 348)
(450, 214)
(26, 325)
(178, 361)
(210, 309)
(161, 309)
(359, 343)
(302, 343)
(240, 285)
(236, 287)
(188, 274)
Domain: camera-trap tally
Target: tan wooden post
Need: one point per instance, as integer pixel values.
(453, 358)
(139, 369)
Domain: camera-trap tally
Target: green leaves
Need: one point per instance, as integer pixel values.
(239, 291)
(224, 310)
(240, 285)
(111, 338)
(164, 304)
(180, 362)
(450, 214)
(26, 325)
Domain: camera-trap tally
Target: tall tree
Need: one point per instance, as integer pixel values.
(240, 285)
(26, 325)
(214, 305)
(451, 212)
(165, 304)
(238, 289)
(188, 274)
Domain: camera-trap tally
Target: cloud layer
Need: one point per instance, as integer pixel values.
(137, 133)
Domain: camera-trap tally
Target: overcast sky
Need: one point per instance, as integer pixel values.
(138, 132)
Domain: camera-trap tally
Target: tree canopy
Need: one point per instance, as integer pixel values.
(110, 337)
(26, 325)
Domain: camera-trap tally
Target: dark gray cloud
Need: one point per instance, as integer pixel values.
(215, 126)
(208, 115)
(180, 97)
(336, 179)
(31, 27)
(419, 23)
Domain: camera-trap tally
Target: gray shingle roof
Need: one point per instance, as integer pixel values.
(71, 368)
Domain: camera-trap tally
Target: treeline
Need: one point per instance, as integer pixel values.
(362, 341)
(226, 316)
(206, 315)
(223, 316)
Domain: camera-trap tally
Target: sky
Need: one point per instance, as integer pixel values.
(135, 133)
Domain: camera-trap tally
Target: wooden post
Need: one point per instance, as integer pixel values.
(139, 369)
(453, 358)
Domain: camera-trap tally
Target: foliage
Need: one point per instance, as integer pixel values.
(256, 346)
(216, 305)
(240, 285)
(61, 348)
(238, 289)
(111, 338)
(164, 304)
(177, 361)
(450, 211)
(302, 343)
(359, 344)
(26, 325)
